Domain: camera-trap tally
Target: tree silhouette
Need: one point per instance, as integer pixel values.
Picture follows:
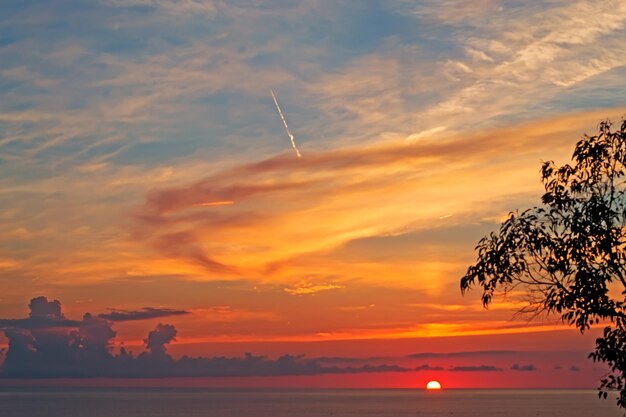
(568, 254)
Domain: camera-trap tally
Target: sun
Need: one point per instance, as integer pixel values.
(433, 385)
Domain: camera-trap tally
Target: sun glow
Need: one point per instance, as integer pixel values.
(433, 385)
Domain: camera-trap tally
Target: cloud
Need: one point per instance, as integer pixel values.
(40, 307)
(8, 264)
(428, 368)
(43, 314)
(160, 337)
(574, 368)
(184, 244)
(183, 88)
(309, 288)
(126, 101)
(143, 314)
(449, 12)
(424, 355)
(281, 200)
(117, 105)
(86, 350)
(53, 351)
(471, 354)
(523, 368)
(47, 314)
(206, 8)
(228, 314)
(251, 365)
(521, 59)
(479, 368)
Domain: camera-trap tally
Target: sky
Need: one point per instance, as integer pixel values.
(146, 178)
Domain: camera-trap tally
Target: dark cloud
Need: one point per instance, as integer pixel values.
(42, 308)
(159, 338)
(251, 365)
(523, 368)
(84, 349)
(59, 351)
(143, 314)
(574, 368)
(557, 368)
(345, 360)
(43, 314)
(36, 323)
(479, 368)
(342, 360)
(428, 368)
(423, 355)
(471, 354)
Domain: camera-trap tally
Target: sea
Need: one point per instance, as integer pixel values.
(198, 402)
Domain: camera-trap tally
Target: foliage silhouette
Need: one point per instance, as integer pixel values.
(568, 254)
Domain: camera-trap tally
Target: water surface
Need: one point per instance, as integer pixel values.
(197, 402)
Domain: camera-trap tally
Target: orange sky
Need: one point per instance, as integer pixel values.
(359, 250)
(144, 165)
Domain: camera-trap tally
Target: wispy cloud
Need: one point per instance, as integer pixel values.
(288, 197)
(207, 8)
(143, 314)
(309, 288)
(228, 314)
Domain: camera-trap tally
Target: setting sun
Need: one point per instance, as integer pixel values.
(433, 385)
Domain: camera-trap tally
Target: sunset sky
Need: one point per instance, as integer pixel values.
(145, 171)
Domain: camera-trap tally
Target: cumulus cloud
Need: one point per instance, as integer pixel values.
(523, 368)
(41, 307)
(159, 338)
(85, 349)
(43, 314)
(59, 351)
(142, 314)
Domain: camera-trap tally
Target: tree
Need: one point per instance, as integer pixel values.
(568, 254)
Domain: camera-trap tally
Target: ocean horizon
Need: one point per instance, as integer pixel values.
(272, 402)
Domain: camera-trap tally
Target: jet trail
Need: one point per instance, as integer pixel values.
(216, 203)
(282, 116)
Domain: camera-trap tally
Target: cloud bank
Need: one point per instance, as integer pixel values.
(48, 345)
(479, 368)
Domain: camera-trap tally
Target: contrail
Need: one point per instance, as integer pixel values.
(216, 203)
(282, 116)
